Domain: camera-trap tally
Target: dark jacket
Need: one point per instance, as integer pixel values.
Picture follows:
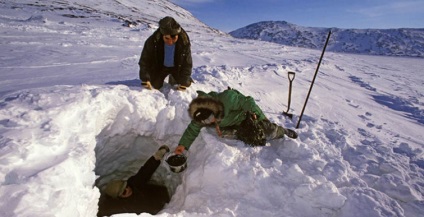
(146, 197)
(152, 56)
(231, 106)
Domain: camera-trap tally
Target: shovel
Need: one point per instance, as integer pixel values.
(291, 76)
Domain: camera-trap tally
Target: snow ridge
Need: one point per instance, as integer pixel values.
(388, 42)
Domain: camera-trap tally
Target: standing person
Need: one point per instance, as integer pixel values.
(136, 194)
(166, 52)
(234, 115)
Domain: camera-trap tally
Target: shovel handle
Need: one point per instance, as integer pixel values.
(291, 76)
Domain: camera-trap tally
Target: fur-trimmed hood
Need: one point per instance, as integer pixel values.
(209, 103)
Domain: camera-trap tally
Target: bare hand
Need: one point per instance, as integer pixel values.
(179, 149)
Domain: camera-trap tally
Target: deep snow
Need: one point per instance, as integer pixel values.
(72, 112)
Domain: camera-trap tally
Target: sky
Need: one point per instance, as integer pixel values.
(229, 15)
(73, 117)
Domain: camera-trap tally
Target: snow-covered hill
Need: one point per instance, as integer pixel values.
(73, 115)
(144, 13)
(388, 42)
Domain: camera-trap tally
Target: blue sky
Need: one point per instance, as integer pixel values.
(228, 15)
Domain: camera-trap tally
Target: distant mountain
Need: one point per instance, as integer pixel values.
(389, 42)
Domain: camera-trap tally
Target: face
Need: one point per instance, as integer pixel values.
(170, 39)
(210, 120)
(127, 192)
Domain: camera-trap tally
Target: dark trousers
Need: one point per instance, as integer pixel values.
(271, 130)
(158, 78)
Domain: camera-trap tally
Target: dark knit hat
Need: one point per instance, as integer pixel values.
(168, 26)
(202, 114)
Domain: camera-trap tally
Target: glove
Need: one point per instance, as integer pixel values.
(146, 84)
(179, 149)
(181, 87)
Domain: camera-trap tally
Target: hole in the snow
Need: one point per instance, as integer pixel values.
(119, 157)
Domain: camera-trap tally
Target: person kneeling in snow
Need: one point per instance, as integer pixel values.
(234, 115)
(166, 52)
(136, 191)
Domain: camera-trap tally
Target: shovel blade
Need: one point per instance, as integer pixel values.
(288, 115)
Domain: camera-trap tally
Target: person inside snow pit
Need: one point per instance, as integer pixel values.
(135, 195)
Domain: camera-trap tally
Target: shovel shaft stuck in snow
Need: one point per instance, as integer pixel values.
(291, 76)
(313, 80)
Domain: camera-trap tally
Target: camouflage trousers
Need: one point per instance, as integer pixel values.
(271, 130)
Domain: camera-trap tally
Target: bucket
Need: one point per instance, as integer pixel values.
(176, 162)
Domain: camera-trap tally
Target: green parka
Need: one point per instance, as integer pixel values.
(230, 104)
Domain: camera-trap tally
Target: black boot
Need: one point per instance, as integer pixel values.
(290, 133)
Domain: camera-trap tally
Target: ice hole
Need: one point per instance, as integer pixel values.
(120, 156)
